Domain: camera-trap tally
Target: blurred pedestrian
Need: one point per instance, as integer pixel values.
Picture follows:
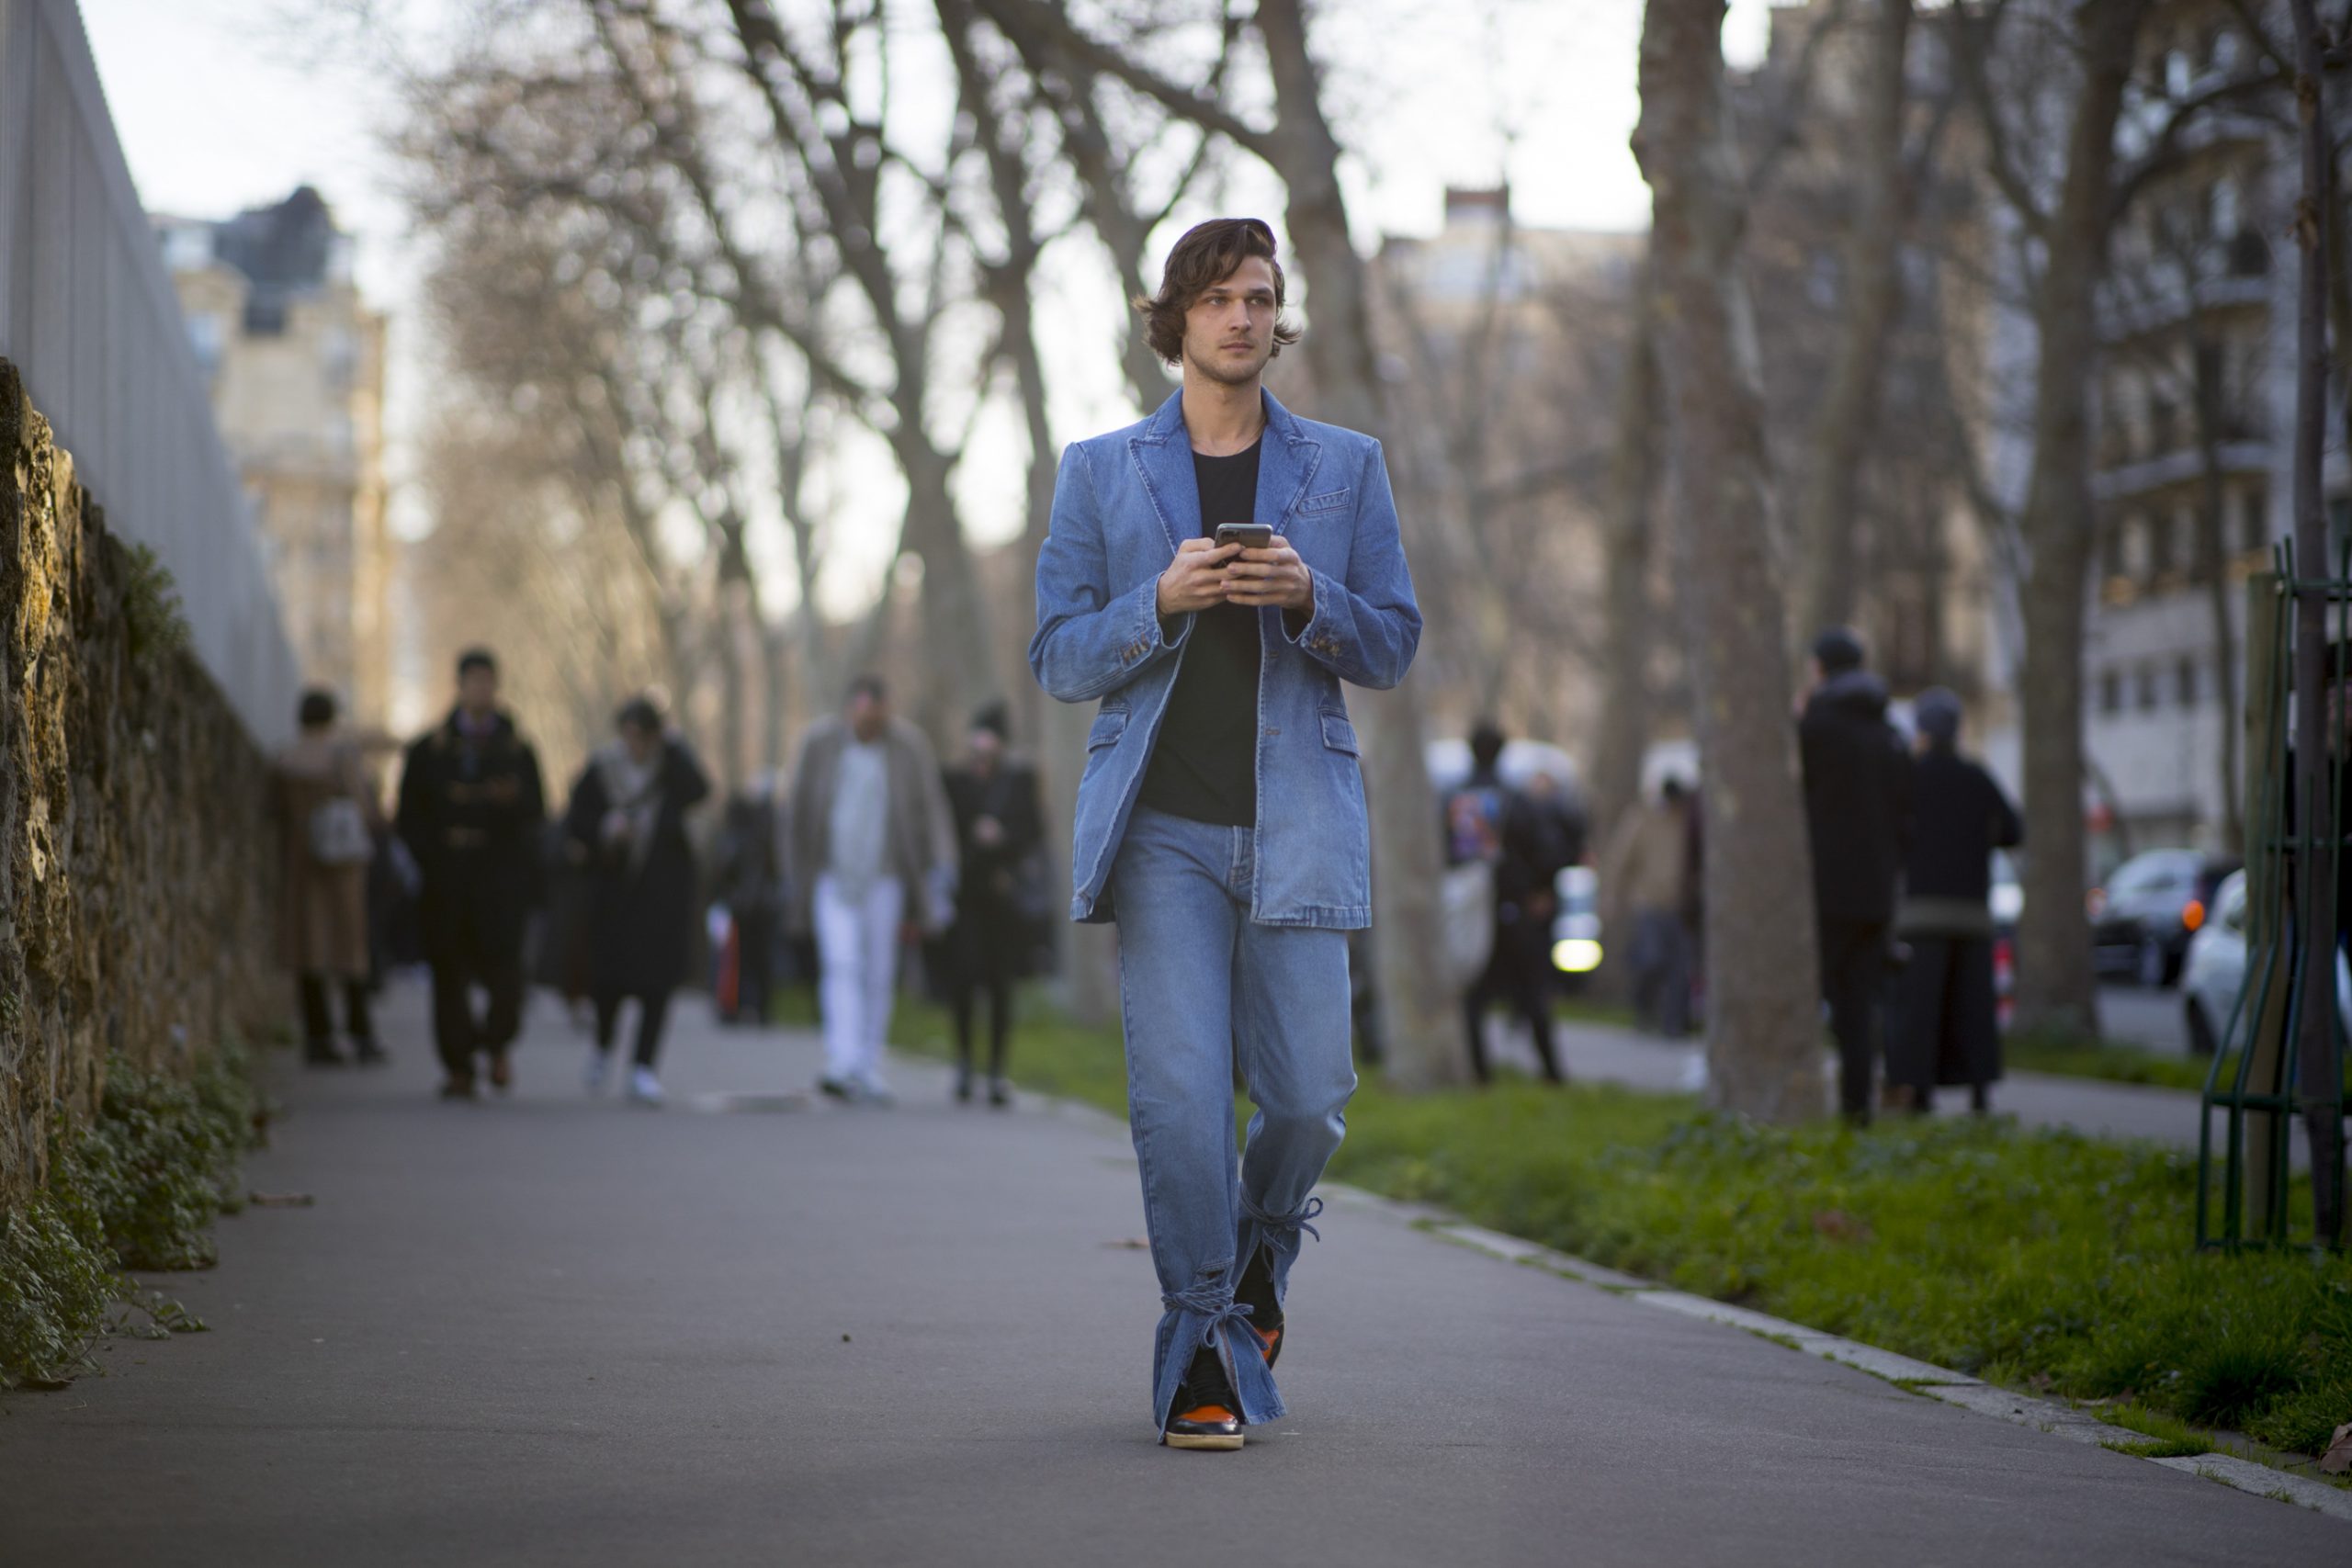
(1857, 806)
(1531, 836)
(328, 817)
(751, 886)
(1221, 819)
(471, 807)
(628, 825)
(1646, 876)
(1946, 1027)
(999, 829)
(871, 856)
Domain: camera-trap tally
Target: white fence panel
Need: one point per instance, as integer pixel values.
(90, 320)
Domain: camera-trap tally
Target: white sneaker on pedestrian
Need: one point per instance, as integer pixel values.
(592, 1077)
(871, 1090)
(643, 1086)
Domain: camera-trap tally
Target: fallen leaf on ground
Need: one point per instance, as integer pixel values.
(1129, 1244)
(2338, 1458)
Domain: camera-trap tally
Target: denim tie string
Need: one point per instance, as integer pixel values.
(1210, 1305)
(1297, 1220)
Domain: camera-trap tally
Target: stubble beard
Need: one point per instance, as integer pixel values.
(1226, 375)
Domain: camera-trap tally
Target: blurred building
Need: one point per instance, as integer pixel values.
(2193, 470)
(2192, 466)
(295, 363)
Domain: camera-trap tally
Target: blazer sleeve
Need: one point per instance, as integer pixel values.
(1367, 629)
(1088, 643)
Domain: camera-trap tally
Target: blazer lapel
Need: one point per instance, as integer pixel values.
(1164, 460)
(1286, 464)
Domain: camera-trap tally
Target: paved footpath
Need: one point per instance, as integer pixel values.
(550, 1331)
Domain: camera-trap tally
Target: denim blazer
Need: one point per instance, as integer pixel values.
(1122, 504)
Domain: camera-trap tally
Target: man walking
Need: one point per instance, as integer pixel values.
(1220, 818)
(872, 856)
(470, 810)
(1526, 839)
(1647, 875)
(1857, 806)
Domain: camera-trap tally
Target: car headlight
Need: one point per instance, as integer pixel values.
(1577, 955)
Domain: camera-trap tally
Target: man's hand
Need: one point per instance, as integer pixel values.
(1272, 576)
(1195, 579)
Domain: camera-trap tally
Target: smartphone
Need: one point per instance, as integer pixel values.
(1248, 535)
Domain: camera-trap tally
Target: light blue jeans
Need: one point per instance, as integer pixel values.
(1201, 990)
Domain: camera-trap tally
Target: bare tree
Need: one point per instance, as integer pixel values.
(2055, 986)
(1624, 733)
(1826, 530)
(2317, 1057)
(1764, 1033)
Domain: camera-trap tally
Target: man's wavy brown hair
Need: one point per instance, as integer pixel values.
(1206, 255)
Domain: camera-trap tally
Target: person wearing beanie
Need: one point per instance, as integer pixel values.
(1858, 806)
(1945, 1030)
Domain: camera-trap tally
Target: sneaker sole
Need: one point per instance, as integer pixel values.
(1205, 1441)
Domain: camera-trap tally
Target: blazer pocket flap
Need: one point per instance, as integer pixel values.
(1108, 728)
(1338, 733)
(1326, 502)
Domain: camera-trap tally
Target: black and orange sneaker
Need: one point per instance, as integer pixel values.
(1255, 1290)
(1205, 1415)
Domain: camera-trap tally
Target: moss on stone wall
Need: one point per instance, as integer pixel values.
(135, 867)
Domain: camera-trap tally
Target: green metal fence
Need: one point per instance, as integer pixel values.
(2253, 1089)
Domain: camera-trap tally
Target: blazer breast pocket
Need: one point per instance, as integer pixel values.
(1330, 500)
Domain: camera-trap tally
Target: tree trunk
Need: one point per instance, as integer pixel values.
(1828, 526)
(1763, 995)
(2316, 1057)
(1622, 734)
(2056, 989)
(1418, 1009)
(2213, 568)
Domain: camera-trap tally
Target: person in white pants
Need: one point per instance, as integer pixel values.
(872, 847)
(857, 942)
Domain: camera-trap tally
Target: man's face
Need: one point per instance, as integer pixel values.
(986, 746)
(868, 714)
(1230, 329)
(478, 689)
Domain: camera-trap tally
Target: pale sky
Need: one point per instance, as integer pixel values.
(227, 103)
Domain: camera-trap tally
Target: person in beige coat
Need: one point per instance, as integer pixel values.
(1646, 875)
(328, 819)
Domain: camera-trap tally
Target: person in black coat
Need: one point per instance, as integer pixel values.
(999, 829)
(1857, 806)
(628, 826)
(1528, 837)
(1946, 1029)
(470, 810)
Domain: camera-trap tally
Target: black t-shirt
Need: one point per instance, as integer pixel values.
(1204, 765)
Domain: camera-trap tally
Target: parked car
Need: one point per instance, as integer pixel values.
(2142, 918)
(2215, 971)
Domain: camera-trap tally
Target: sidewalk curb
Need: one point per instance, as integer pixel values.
(1921, 1378)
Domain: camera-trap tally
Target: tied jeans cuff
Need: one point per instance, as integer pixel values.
(1285, 1226)
(1195, 1316)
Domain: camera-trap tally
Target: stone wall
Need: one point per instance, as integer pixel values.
(137, 869)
